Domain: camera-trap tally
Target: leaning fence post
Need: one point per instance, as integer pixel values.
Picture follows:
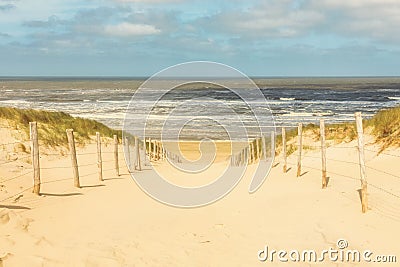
(323, 153)
(116, 154)
(35, 157)
(284, 150)
(99, 159)
(74, 161)
(360, 132)
(138, 165)
(300, 147)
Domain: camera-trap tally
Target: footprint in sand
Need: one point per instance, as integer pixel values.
(3, 257)
(10, 218)
(4, 216)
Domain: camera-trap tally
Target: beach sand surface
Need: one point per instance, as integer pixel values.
(114, 223)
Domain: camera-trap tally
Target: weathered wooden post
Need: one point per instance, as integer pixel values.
(99, 158)
(246, 155)
(74, 161)
(128, 154)
(272, 145)
(158, 150)
(251, 152)
(360, 133)
(284, 150)
(149, 148)
(264, 148)
(35, 157)
(116, 165)
(300, 147)
(138, 164)
(323, 153)
(154, 150)
(256, 148)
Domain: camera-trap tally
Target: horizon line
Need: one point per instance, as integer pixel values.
(147, 77)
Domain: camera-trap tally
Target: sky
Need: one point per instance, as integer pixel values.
(142, 37)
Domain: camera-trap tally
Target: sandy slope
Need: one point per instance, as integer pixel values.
(113, 223)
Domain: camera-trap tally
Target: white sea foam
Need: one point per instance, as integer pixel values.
(14, 102)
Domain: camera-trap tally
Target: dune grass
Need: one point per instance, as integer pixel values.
(52, 125)
(384, 126)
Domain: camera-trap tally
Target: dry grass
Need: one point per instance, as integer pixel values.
(52, 125)
(385, 126)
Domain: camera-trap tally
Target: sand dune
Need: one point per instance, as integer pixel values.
(114, 223)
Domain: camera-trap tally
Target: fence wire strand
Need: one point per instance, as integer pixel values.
(15, 177)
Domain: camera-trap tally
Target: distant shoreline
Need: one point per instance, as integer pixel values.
(58, 77)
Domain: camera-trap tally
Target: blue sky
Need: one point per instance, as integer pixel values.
(141, 37)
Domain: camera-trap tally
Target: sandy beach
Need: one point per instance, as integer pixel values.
(150, 133)
(114, 223)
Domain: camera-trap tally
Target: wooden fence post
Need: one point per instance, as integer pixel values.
(272, 146)
(246, 155)
(264, 148)
(150, 153)
(128, 154)
(323, 153)
(360, 132)
(116, 154)
(99, 158)
(158, 150)
(74, 161)
(256, 149)
(284, 150)
(251, 152)
(138, 164)
(300, 147)
(35, 157)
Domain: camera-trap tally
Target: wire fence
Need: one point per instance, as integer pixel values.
(387, 200)
(382, 180)
(48, 173)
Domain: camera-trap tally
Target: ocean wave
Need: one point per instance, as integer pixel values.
(307, 114)
(15, 101)
(394, 97)
(287, 98)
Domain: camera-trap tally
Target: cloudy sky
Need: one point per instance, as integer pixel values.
(141, 37)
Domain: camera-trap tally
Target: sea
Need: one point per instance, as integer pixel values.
(290, 99)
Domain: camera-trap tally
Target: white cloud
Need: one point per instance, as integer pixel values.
(373, 19)
(129, 29)
(276, 18)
